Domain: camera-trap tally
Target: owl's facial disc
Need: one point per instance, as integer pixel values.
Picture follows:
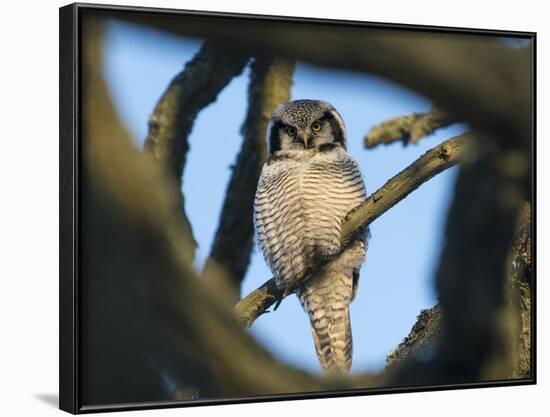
(311, 135)
(319, 133)
(305, 124)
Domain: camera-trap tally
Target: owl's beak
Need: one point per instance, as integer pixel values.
(305, 139)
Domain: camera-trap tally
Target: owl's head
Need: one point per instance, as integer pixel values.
(305, 124)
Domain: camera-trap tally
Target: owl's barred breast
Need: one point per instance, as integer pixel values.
(301, 201)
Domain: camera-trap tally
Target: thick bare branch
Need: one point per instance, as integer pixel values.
(143, 298)
(189, 92)
(145, 309)
(113, 355)
(436, 160)
(498, 344)
(475, 78)
(521, 272)
(513, 360)
(270, 82)
(473, 269)
(408, 129)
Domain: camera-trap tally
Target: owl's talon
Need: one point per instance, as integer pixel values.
(278, 303)
(280, 300)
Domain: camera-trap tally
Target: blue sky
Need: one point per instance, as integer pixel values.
(396, 279)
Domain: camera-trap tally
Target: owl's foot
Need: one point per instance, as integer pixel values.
(286, 292)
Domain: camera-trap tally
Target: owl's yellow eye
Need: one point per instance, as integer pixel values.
(291, 130)
(316, 126)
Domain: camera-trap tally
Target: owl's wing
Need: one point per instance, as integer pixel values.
(267, 218)
(279, 221)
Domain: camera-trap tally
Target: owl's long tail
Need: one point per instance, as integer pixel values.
(326, 298)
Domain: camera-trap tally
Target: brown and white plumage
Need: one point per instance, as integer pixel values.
(307, 186)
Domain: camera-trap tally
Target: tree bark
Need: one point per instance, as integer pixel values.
(475, 78)
(422, 341)
(146, 314)
(408, 129)
(198, 85)
(144, 310)
(424, 338)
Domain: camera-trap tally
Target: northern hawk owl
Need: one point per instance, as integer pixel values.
(307, 186)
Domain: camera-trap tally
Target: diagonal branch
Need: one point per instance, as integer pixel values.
(270, 82)
(198, 85)
(436, 160)
(408, 129)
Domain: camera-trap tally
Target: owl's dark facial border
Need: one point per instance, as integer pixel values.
(336, 126)
(274, 144)
(276, 133)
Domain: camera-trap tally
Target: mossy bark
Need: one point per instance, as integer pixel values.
(408, 129)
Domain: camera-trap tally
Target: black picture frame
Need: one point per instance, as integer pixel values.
(71, 197)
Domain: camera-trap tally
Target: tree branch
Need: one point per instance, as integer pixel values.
(473, 269)
(142, 301)
(474, 77)
(189, 92)
(270, 82)
(142, 296)
(421, 342)
(521, 273)
(436, 160)
(486, 204)
(513, 360)
(408, 129)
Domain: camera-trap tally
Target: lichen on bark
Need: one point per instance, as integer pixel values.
(408, 129)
